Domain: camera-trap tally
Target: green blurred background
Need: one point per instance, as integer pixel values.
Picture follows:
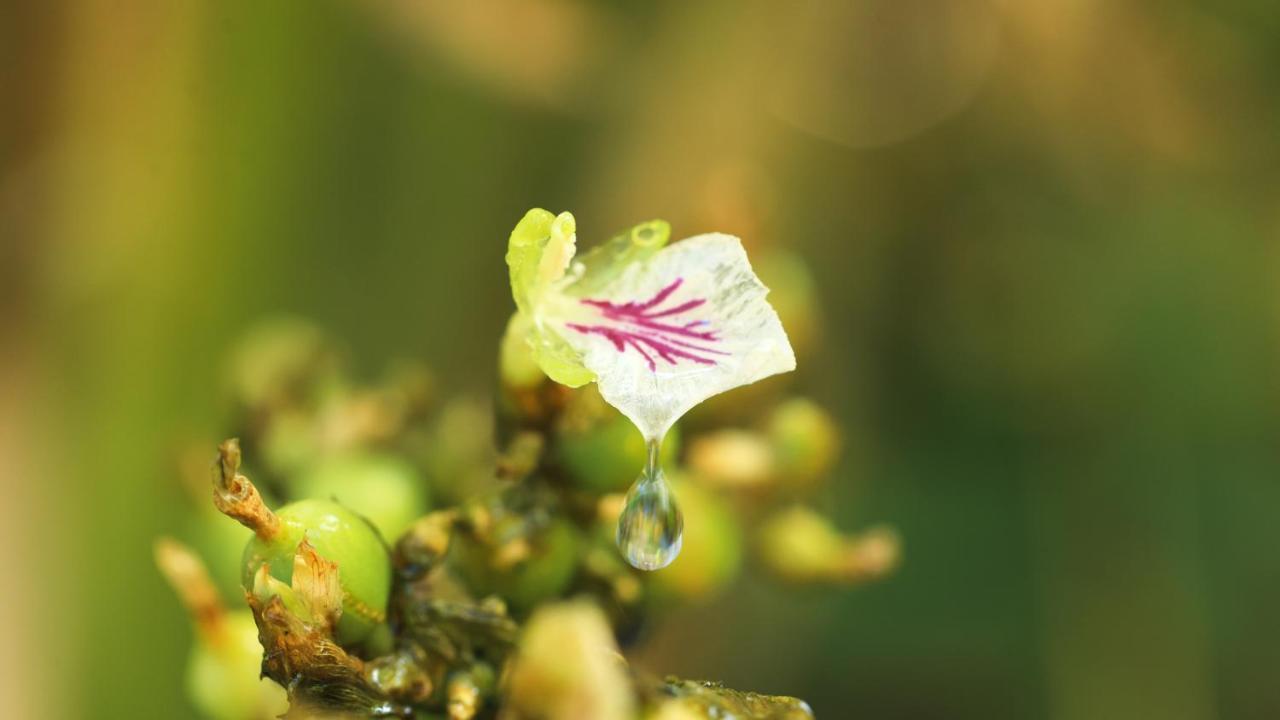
(1044, 235)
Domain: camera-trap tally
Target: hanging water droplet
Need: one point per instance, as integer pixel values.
(651, 527)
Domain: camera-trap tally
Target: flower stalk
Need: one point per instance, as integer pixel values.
(237, 498)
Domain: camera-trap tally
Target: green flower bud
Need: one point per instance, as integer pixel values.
(224, 672)
(459, 455)
(223, 678)
(280, 363)
(341, 537)
(568, 666)
(289, 442)
(524, 571)
(805, 442)
(799, 545)
(401, 675)
(601, 449)
(712, 552)
(737, 459)
(517, 367)
(384, 489)
(468, 690)
(326, 529)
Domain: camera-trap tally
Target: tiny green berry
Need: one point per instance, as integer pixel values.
(552, 555)
(806, 443)
(224, 673)
(601, 449)
(342, 537)
(336, 533)
(712, 556)
(381, 487)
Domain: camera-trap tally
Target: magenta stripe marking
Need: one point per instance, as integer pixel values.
(663, 294)
(666, 351)
(680, 308)
(633, 326)
(683, 332)
(640, 350)
(691, 346)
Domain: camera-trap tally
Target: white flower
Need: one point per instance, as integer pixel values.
(659, 328)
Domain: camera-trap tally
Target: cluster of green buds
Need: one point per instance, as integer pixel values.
(401, 556)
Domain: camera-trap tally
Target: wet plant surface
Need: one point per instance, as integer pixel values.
(418, 557)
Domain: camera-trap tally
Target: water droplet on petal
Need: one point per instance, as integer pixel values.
(651, 527)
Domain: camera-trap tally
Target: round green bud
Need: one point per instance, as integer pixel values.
(805, 442)
(517, 367)
(712, 553)
(545, 571)
(224, 673)
(278, 362)
(289, 441)
(608, 456)
(342, 537)
(384, 489)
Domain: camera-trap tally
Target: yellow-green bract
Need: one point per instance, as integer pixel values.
(539, 256)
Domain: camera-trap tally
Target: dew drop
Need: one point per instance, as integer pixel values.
(651, 527)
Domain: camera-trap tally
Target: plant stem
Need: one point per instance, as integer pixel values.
(237, 498)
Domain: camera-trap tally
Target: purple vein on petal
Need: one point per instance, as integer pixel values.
(636, 328)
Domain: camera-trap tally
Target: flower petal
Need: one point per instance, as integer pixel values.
(538, 253)
(558, 359)
(603, 263)
(666, 334)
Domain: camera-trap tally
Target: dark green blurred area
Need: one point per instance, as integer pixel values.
(1044, 236)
